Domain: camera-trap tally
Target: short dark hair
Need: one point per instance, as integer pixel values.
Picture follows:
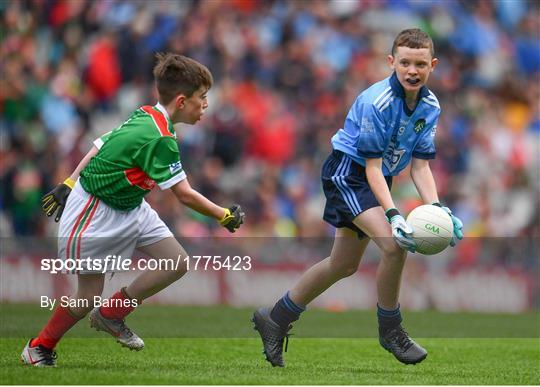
(413, 38)
(177, 74)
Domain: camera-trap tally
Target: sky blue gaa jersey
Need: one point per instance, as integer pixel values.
(379, 124)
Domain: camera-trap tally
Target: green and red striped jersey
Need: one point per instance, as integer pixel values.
(133, 158)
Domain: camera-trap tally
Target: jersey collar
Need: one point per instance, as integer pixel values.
(162, 109)
(400, 92)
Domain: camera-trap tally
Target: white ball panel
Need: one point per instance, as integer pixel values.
(432, 229)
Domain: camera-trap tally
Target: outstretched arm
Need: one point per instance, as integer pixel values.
(194, 200)
(230, 218)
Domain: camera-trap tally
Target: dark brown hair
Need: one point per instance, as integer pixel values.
(413, 38)
(176, 74)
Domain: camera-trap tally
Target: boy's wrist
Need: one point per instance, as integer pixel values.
(69, 182)
(226, 214)
(391, 212)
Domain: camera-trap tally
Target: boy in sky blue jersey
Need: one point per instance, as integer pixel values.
(389, 125)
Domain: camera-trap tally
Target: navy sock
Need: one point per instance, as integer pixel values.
(286, 311)
(388, 319)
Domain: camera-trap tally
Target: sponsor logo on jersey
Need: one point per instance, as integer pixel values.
(366, 125)
(137, 177)
(419, 125)
(393, 154)
(175, 167)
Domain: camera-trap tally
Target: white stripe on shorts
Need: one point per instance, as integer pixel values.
(339, 180)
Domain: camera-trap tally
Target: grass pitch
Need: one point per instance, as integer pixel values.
(215, 345)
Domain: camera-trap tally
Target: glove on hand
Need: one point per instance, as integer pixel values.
(458, 224)
(233, 218)
(57, 198)
(401, 231)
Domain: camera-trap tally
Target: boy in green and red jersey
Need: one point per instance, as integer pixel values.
(106, 214)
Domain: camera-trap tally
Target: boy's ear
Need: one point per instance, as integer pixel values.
(390, 60)
(180, 101)
(434, 63)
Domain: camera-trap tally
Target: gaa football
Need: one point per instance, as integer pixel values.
(432, 229)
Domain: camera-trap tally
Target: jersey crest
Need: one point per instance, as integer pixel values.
(419, 125)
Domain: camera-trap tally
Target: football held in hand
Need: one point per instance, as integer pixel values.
(432, 229)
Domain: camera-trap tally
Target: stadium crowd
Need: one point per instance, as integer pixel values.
(286, 73)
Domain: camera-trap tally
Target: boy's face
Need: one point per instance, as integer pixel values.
(412, 66)
(191, 110)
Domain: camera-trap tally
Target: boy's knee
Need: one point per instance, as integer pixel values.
(391, 250)
(180, 271)
(179, 262)
(347, 271)
(175, 271)
(344, 269)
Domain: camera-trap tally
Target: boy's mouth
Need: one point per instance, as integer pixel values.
(413, 81)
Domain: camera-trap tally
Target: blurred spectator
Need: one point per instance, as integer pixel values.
(103, 72)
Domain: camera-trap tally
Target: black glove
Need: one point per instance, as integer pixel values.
(56, 199)
(233, 218)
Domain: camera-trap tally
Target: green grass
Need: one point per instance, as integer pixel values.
(25, 320)
(215, 345)
(309, 361)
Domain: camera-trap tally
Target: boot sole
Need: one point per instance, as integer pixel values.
(97, 328)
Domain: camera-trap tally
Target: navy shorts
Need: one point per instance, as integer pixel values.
(347, 191)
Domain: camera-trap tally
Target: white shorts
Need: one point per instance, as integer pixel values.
(91, 229)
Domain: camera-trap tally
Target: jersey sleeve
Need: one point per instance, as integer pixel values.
(425, 147)
(160, 160)
(370, 124)
(98, 142)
